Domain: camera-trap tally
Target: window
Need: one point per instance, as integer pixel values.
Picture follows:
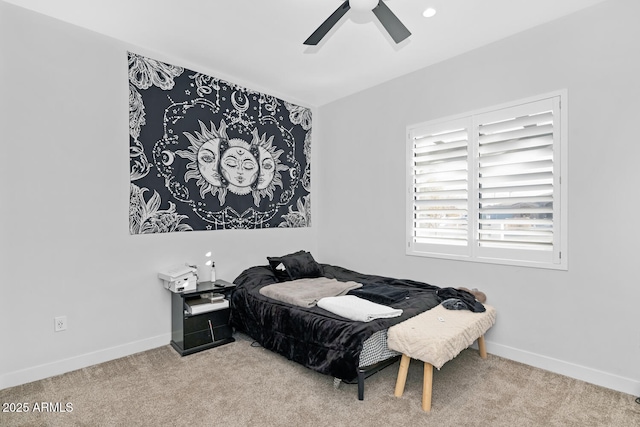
(489, 186)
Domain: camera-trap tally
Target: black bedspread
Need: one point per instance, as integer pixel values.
(314, 337)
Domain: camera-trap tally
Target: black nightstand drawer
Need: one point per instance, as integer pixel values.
(204, 337)
(200, 322)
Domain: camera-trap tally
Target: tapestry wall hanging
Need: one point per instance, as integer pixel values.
(206, 154)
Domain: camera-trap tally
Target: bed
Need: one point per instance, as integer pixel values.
(318, 339)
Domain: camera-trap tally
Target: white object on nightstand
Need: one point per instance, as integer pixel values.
(181, 278)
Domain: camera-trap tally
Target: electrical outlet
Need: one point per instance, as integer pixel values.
(60, 323)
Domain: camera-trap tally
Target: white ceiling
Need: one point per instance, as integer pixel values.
(259, 43)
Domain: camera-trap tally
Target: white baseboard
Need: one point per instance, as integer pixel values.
(82, 361)
(593, 376)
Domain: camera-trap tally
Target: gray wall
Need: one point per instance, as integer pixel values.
(583, 322)
(64, 236)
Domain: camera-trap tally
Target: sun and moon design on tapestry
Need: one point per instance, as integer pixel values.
(206, 154)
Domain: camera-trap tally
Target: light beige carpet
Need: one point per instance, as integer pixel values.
(242, 385)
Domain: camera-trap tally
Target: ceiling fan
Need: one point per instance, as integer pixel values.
(387, 18)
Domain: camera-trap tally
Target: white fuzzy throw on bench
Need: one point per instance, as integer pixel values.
(438, 335)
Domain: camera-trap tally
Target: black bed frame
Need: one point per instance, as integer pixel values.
(367, 371)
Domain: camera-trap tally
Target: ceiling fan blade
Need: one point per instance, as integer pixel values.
(327, 25)
(391, 23)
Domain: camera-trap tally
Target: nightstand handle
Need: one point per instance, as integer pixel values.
(211, 329)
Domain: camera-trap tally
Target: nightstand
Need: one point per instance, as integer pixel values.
(191, 333)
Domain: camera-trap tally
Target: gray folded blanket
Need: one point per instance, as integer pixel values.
(307, 292)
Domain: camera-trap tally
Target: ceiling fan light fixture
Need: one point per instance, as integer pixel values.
(429, 12)
(387, 18)
(363, 5)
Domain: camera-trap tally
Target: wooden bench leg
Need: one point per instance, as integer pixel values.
(482, 348)
(402, 375)
(427, 386)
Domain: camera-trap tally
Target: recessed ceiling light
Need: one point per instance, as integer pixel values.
(428, 13)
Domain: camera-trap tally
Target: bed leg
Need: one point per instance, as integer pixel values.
(482, 347)
(360, 385)
(402, 375)
(427, 386)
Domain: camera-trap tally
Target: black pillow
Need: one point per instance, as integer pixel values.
(297, 265)
(278, 268)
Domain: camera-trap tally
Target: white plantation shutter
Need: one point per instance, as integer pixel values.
(487, 186)
(516, 177)
(439, 161)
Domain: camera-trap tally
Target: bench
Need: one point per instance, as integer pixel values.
(435, 337)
